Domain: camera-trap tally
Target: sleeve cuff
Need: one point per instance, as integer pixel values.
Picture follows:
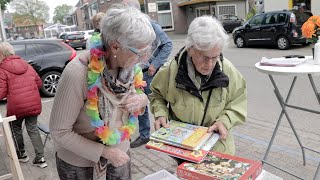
(161, 113)
(156, 65)
(225, 120)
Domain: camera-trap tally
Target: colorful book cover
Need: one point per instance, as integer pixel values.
(192, 156)
(220, 166)
(182, 135)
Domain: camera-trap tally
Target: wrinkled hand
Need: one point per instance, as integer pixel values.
(152, 70)
(134, 103)
(115, 156)
(219, 127)
(161, 122)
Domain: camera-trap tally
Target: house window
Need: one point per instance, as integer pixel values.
(165, 18)
(75, 20)
(93, 9)
(227, 9)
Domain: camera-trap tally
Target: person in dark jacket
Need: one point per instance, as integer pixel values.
(150, 68)
(20, 84)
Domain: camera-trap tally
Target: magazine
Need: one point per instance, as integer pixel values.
(282, 62)
(220, 166)
(183, 135)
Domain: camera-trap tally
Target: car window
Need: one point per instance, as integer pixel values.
(74, 36)
(31, 50)
(62, 36)
(49, 48)
(90, 33)
(257, 20)
(271, 19)
(223, 17)
(233, 17)
(282, 18)
(19, 49)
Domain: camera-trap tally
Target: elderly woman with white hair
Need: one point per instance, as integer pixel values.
(99, 98)
(201, 87)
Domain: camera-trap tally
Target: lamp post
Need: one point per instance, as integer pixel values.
(3, 32)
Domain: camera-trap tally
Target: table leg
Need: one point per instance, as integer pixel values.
(316, 175)
(283, 106)
(314, 87)
(280, 117)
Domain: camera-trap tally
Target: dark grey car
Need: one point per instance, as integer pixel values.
(48, 58)
(75, 40)
(230, 22)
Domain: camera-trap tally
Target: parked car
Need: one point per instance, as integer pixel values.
(280, 28)
(230, 22)
(87, 34)
(63, 34)
(75, 40)
(48, 58)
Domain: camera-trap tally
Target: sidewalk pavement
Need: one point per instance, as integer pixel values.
(248, 140)
(251, 142)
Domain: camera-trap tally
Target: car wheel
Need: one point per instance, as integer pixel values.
(50, 83)
(240, 42)
(283, 43)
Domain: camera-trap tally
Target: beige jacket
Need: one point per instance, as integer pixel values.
(70, 127)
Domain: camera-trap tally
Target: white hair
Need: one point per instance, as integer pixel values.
(127, 25)
(6, 49)
(132, 3)
(205, 33)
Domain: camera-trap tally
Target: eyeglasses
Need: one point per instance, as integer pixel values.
(145, 53)
(140, 53)
(206, 58)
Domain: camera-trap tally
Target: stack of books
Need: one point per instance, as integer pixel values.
(184, 141)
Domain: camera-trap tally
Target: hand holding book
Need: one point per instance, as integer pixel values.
(219, 127)
(161, 122)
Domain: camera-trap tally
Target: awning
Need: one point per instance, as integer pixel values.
(190, 2)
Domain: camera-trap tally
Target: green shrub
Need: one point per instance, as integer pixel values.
(251, 13)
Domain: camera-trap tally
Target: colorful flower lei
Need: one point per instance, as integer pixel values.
(95, 68)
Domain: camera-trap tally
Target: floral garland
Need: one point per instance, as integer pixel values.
(95, 68)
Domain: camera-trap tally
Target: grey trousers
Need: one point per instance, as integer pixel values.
(33, 132)
(69, 172)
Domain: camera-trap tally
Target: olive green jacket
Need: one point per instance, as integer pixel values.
(228, 105)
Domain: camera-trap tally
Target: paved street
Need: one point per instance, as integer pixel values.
(251, 139)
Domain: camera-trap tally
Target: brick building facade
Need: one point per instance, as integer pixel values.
(172, 15)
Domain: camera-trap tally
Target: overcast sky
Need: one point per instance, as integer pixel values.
(54, 3)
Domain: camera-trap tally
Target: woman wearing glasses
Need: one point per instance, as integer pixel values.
(99, 98)
(199, 86)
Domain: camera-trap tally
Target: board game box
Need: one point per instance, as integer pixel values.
(218, 166)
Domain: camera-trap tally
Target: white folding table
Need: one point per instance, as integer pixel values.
(307, 68)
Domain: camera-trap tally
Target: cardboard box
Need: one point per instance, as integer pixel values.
(220, 166)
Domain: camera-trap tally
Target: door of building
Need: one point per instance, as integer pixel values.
(201, 11)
